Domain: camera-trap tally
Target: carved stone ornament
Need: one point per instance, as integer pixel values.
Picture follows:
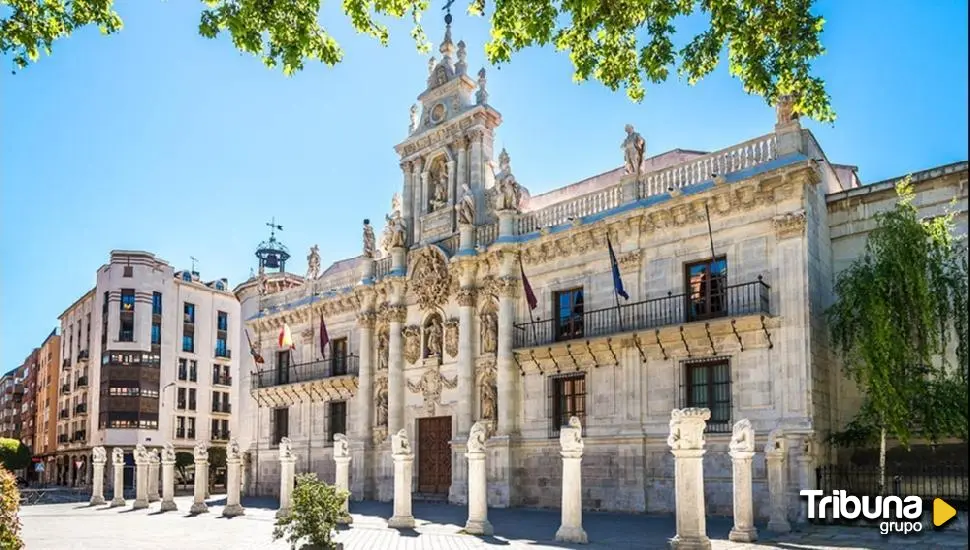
(508, 191)
(286, 449)
(412, 344)
(634, 148)
(742, 437)
(785, 110)
(99, 455)
(433, 337)
(201, 451)
(341, 447)
(776, 442)
(153, 457)
(140, 454)
(306, 334)
(395, 230)
(400, 445)
(466, 297)
(477, 436)
(790, 224)
(168, 452)
(313, 263)
(118, 456)
(451, 337)
(380, 399)
(431, 385)
(489, 321)
(430, 280)
(687, 428)
(488, 393)
(232, 450)
(370, 242)
(571, 436)
(466, 206)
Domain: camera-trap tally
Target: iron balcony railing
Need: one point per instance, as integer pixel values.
(80, 435)
(62, 438)
(67, 364)
(66, 388)
(81, 408)
(64, 414)
(674, 309)
(82, 355)
(223, 353)
(82, 382)
(222, 408)
(306, 372)
(221, 380)
(220, 435)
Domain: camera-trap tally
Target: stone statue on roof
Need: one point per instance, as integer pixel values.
(634, 148)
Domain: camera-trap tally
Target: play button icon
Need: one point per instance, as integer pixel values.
(942, 512)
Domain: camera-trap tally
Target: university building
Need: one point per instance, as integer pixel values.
(147, 359)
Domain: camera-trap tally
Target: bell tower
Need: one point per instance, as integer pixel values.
(448, 151)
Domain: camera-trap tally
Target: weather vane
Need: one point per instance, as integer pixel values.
(447, 10)
(194, 260)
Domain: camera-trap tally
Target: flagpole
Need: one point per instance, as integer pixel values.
(710, 233)
(616, 295)
(532, 321)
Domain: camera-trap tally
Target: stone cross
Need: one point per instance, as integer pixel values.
(168, 478)
(153, 466)
(287, 477)
(201, 482)
(477, 523)
(233, 480)
(403, 458)
(686, 441)
(775, 451)
(742, 452)
(141, 478)
(341, 459)
(571, 444)
(118, 466)
(98, 458)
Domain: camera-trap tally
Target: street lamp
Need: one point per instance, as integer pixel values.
(167, 386)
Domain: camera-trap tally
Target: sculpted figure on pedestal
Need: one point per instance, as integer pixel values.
(481, 96)
(742, 436)
(434, 338)
(118, 456)
(286, 448)
(488, 395)
(687, 428)
(341, 447)
(232, 450)
(451, 337)
(634, 147)
(395, 233)
(382, 349)
(414, 119)
(400, 444)
(98, 454)
(201, 451)
(489, 332)
(466, 208)
(313, 263)
(168, 452)
(477, 437)
(140, 454)
(381, 400)
(439, 197)
(509, 192)
(370, 244)
(571, 436)
(785, 110)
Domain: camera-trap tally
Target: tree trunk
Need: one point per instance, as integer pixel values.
(882, 460)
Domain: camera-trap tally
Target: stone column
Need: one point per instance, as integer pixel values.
(686, 442)
(477, 523)
(476, 162)
(341, 459)
(233, 480)
(287, 475)
(118, 465)
(395, 369)
(201, 482)
(364, 402)
(97, 486)
(571, 449)
(141, 478)
(462, 175)
(806, 474)
(168, 478)
(403, 461)
(153, 463)
(742, 452)
(506, 373)
(775, 451)
(466, 359)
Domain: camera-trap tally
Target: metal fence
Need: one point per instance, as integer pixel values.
(928, 481)
(306, 372)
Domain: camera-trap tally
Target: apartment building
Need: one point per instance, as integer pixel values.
(11, 398)
(46, 391)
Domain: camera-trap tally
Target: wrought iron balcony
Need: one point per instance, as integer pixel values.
(221, 380)
(220, 435)
(224, 408)
(82, 355)
(223, 353)
(81, 408)
(66, 388)
(80, 435)
(306, 372)
(64, 414)
(82, 382)
(673, 309)
(180, 433)
(66, 363)
(62, 438)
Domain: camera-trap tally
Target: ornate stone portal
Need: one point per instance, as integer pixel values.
(430, 387)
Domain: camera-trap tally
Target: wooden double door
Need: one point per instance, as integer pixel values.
(434, 455)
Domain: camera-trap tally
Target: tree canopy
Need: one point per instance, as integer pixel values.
(623, 44)
(14, 455)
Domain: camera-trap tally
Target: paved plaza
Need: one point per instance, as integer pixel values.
(76, 526)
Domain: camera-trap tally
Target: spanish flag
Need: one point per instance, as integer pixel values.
(286, 339)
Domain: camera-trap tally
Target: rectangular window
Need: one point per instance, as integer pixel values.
(180, 427)
(221, 349)
(156, 334)
(283, 367)
(104, 321)
(180, 399)
(281, 424)
(190, 432)
(339, 356)
(338, 419)
(183, 370)
(568, 306)
(188, 343)
(191, 399)
(127, 299)
(193, 371)
(222, 321)
(708, 385)
(156, 303)
(128, 271)
(568, 399)
(126, 328)
(189, 313)
(87, 332)
(706, 288)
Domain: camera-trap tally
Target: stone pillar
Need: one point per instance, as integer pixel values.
(476, 162)
(141, 478)
(775, 451)
(364, 401)
(477, 523)
(466, 239)
(506, 371)
(201, 482)
(153, 463)
(686, 442)
(461, 177)
(233, 480)
(466, 359)
(806, 474)
(395, 369)
(506, 225)
(97, 486)
(168, 478)
(407, 202)
(630, 189)
(341, 459)
(742, 452)
(571, 449)
(118, 465)
(403, 461)
(287, 476)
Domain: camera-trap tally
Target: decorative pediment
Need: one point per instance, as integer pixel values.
(430, 280)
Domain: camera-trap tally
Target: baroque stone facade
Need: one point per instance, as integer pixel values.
(436, 332)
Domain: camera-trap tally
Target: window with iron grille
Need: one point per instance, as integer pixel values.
(705, 284)
(707, 384)
(339, 356)
(568, 399)
(568, 310)
(338, 419)
(281, 424)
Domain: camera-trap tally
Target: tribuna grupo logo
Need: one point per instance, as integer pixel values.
(894, 514)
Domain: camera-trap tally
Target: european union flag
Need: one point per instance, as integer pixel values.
(617, 281)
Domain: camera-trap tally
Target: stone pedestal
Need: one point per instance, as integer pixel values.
(806, 474)
(367, 270)
(399, 260)
(287, 477)
(477, 523)
(403, 458)
(686, 442)
(466, 238)
(168, 478)
(341, 459)
(97, 478)
(141, 478)
(742, 452)
(571, 449)
(775, 452)
(629, 188)
(506, 224)
(118, 465)
(233, 480)
(153, 466)
(201, 484)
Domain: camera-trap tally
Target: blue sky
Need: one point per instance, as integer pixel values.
(157, 139)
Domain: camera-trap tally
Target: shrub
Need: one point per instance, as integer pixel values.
(9, 505)
(14, 455)
(313, 519)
